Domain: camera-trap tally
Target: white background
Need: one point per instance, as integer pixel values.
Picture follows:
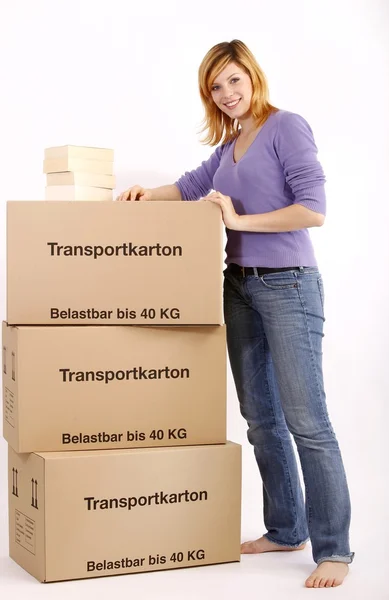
(103, 73)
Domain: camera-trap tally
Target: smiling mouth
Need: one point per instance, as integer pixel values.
(231, 105)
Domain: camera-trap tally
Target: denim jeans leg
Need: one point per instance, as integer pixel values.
(253, 372)
(291, 306)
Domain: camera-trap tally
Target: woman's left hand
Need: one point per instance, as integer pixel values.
(230, 218)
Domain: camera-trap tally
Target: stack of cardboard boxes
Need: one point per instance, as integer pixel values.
(79, 173)
(114, 387)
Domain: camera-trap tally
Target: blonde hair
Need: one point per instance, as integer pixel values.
(219, 125)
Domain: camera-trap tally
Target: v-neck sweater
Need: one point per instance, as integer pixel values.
(279, 168)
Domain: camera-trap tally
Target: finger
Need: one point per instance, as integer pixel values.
(134, 193)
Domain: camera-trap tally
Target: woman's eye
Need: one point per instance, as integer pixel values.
(215, 87)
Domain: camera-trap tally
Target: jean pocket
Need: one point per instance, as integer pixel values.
(284, 280)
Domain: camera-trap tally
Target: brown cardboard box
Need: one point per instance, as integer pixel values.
(81, 152)
(77, 515)
(59, 165)
(72, 263)
(78, 388)
(77, 192)
(79, 178)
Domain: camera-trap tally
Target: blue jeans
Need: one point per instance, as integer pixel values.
(274, 336)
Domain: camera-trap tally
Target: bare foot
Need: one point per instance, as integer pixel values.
(327, 574)
(265, 545)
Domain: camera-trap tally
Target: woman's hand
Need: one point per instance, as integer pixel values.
(136, 192)
(230, 218)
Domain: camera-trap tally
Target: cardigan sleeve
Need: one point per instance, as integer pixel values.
(195, 184)
(296, 149)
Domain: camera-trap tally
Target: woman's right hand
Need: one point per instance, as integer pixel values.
(136, 192)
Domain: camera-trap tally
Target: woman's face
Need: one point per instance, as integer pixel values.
(232, 90)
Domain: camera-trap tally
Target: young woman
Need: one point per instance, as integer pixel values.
(270, 188)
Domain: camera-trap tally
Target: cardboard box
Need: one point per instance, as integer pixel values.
(88, 152)
(78, 388)
(79, 178)
(77, 515)
(146, 263)
(77, 192)
(59, 165)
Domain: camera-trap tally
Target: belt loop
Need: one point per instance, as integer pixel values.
(243, 275)
(301, 269)
(255, 272)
